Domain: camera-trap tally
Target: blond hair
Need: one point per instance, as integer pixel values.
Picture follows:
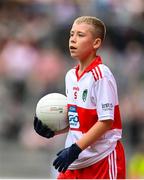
(99, 26)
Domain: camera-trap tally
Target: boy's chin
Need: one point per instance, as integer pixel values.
(74, 56)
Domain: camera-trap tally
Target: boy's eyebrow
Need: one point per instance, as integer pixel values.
(77, 31)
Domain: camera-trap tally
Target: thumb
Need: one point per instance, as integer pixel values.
(60, 152)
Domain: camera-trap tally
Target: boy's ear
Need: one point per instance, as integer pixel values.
(97, 43)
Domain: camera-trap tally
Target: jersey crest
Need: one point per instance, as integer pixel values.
(84, 95)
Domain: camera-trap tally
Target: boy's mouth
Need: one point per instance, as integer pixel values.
(72, 48)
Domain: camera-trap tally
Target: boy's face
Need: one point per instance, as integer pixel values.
(82, 41)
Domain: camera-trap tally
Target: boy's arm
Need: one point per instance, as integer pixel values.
(70, 154)
(62, 131)
(94, 133)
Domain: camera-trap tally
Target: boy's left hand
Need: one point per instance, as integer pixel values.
(66, 157)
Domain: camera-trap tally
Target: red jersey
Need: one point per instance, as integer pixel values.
(92, 97)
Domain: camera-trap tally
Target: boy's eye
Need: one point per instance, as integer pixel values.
(80, 35)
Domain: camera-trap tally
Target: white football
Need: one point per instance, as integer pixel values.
(52, 111)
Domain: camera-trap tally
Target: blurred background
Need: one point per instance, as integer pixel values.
(34, 59)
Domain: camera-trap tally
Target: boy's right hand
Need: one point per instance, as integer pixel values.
(42, 129)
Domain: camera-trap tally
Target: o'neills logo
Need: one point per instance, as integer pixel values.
(84, 95)
(76, 88)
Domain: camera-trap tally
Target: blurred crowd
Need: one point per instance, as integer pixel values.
(34, 58)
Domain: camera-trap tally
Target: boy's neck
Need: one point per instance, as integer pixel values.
(83, 64)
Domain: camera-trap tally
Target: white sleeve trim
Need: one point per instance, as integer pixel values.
(105, 117)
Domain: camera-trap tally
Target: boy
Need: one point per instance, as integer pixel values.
(92, 148)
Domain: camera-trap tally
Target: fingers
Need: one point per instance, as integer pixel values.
(38, 125)
(35, 121)
(62, 168)
(42, 129)
(60, 162)
(60, 165)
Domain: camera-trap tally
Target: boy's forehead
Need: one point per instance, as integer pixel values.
(82, 27)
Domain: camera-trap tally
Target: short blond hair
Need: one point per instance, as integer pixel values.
(99, 26)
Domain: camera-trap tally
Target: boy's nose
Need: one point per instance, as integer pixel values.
(73, 39)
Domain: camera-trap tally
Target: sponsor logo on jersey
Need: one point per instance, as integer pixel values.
(107, 107)
(73, 117)
(84, 95)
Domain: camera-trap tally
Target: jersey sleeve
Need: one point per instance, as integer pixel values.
(105, 98)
